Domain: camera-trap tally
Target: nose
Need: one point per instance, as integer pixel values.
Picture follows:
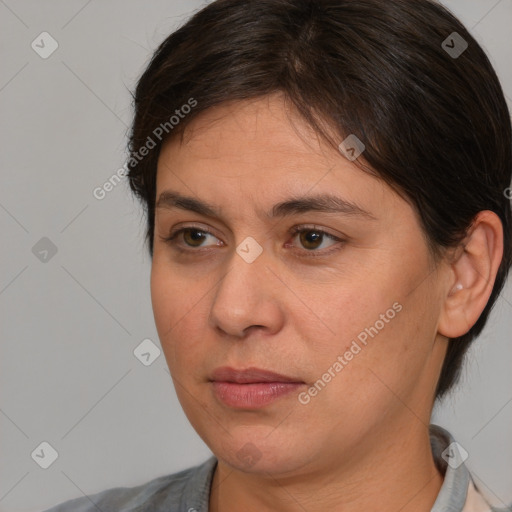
(247, 298)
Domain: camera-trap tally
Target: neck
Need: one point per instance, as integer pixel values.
(397, 473)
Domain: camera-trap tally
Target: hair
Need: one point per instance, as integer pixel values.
(435, 125)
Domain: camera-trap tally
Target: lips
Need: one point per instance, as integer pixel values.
(250, 376)
(252, 388)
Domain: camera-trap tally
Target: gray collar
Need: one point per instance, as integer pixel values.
(449, 459)
(196, 494)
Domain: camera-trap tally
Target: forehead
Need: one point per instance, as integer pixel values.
(262, 136)
(262, 149)
(265, 126)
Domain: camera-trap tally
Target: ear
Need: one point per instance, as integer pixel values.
(472, 274)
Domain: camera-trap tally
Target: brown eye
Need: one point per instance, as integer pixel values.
(193, 237)
(311, 239)
(189, 238)
(312, 242)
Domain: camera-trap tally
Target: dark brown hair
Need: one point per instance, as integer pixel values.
(435, 124)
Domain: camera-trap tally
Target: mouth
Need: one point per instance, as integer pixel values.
(251, 388)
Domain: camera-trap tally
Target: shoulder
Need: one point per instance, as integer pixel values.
(164, 491)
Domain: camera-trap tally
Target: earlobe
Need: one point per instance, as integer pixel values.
(472, 277)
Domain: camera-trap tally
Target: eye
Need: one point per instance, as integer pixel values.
(312, 238)
(192, 236)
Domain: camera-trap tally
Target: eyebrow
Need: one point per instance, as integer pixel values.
(326, 203)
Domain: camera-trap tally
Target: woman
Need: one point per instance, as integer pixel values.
(326, 193)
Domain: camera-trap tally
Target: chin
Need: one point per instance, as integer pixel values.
(253, 451)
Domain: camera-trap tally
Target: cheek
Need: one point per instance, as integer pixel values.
(168, 306)
(177, 304)
(380, 330)
(163, 293)
(350, 311)
(173, 297)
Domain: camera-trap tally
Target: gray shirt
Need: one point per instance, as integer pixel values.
(189, 490)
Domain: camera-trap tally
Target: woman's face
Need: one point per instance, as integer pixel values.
(346, 310)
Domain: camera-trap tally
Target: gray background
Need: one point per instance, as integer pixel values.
(69, 325)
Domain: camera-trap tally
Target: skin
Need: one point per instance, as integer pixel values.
(362, 442)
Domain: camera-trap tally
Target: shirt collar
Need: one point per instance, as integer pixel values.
(196, 494)
(458, 492)
(448, 457)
